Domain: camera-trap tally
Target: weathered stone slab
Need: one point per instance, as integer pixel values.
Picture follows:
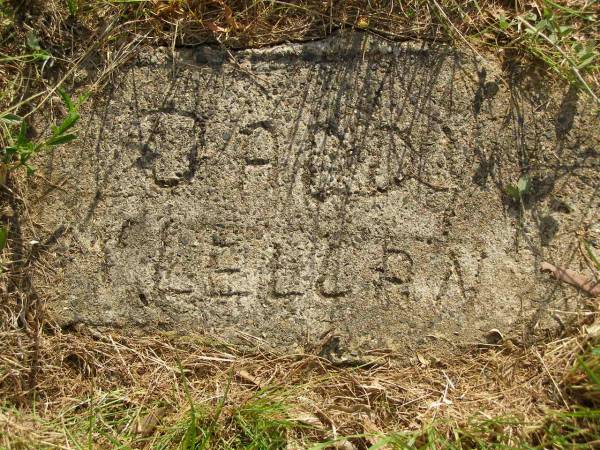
(350, 188)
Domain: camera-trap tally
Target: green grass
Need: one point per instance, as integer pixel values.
(260, 423)
(265, 419)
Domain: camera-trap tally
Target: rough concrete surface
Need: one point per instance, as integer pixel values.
(339, 196)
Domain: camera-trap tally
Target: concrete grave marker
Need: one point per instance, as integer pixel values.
(350, 187)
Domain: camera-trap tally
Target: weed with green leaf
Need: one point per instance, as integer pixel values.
(563, 37)
(21, 148)
(518, 191)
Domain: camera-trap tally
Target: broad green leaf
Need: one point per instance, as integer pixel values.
(61, 139)
(583, 52)
(82, 99)
(8, 154)
(41, 55)
(503, 23)
(66, 124)
(3, 237)
(523, 185)
(541, 25)
(66, 100)
(26, 151)
(586, 62)
(32, 41)
(547, 13)
(11, 118)
(513, 192)
(22, 137)
(565, 29)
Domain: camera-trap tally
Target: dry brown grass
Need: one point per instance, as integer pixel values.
(74, 368)
(104, 33)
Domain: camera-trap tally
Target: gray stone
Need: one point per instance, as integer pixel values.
(351, 187)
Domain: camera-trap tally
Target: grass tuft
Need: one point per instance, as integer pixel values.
(165, 392)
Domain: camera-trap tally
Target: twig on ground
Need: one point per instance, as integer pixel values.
(573, 278)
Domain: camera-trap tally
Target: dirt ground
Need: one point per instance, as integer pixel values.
(341, 197)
